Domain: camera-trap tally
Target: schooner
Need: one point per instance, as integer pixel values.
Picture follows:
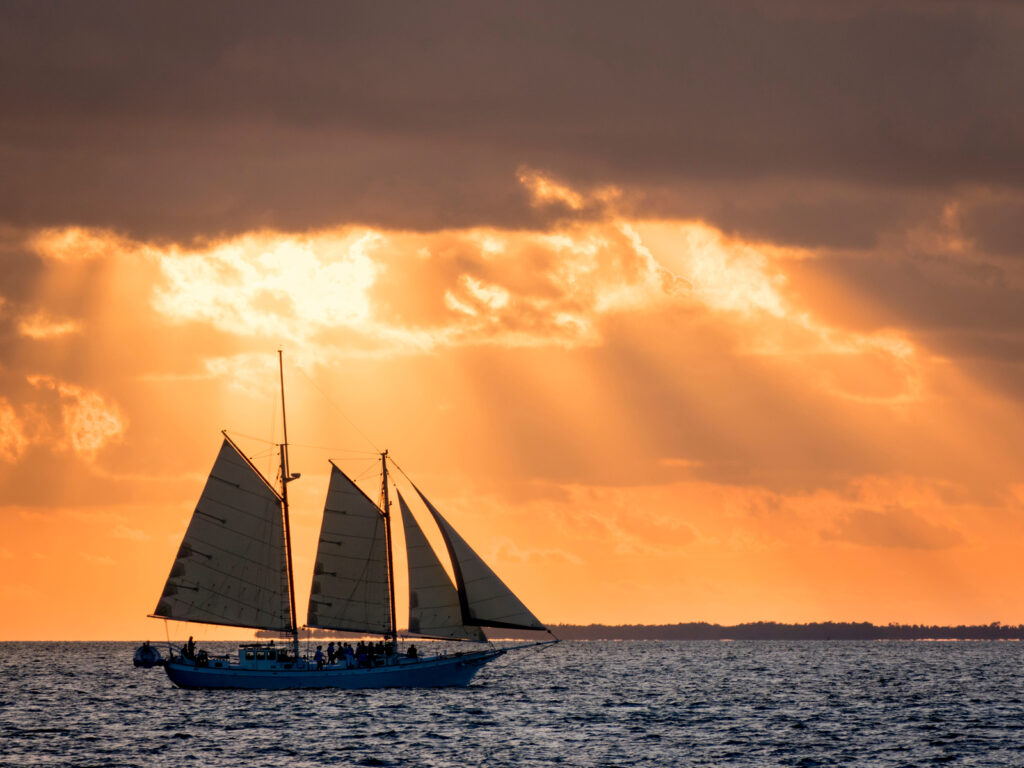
(234, 568)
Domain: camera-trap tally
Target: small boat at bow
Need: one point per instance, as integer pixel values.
(147, 656)
(234, 568)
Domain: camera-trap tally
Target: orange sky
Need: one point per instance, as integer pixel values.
(632, 420)
(677, 311)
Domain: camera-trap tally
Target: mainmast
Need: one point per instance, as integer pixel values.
(386, 508)
(287, 477)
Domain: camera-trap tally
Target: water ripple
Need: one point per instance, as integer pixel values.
(635, 704)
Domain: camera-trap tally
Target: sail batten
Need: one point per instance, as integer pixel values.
(350, 576)
(484, 598)
(434, 609)
(228, 569)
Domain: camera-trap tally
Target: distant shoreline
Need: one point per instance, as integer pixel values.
(760, 630)
(769, 630)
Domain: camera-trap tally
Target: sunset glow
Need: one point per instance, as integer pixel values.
(753, 451)
(661, 355)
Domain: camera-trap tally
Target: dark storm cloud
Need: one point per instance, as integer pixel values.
(997, 226)
(178, 119)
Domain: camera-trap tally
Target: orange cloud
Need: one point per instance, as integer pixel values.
(89, 421)
(652, 415)
(13, 440)
(544, 190)
(40, 325)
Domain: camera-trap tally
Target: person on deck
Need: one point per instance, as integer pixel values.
(318, 657)
(330, 653)
(411, 652)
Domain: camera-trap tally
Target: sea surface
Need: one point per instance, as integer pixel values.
(631, 703)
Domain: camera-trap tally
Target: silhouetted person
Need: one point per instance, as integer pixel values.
(318, 657)
(411, 652)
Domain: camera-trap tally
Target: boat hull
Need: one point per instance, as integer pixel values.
(433, 672)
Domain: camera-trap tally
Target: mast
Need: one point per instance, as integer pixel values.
(286, 478)
(387, 535)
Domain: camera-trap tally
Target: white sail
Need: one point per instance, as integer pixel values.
(434, 608)
(230, 568)
(484, 598)
(350, 577)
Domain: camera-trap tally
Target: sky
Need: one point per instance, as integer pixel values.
(677, 311)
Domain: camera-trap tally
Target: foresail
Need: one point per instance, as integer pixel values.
(350, 577)
(434, 608)
(230, 568)
(484, 598)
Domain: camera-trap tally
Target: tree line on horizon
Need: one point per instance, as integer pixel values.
(757, 630)
(772, 630)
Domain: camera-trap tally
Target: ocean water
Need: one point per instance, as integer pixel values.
(573, 704)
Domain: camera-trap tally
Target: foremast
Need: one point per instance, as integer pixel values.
(386, 509)
(287, 477)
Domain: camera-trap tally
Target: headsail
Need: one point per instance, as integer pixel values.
(350, 578)
(434, 608)
(484, 598)
(231, 568)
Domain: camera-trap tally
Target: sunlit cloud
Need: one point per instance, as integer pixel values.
(725, 274)
(544, 190)
(89, 421)
(13, 440)
(325, 289)
(78, 244)
(377, 293)
(41, 325)
(892, 527)
(272, 285)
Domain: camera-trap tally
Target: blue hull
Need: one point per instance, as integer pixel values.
(432, 672)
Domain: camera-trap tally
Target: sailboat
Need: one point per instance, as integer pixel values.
(234, 568)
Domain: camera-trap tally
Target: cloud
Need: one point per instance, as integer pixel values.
(893, 528)
(130, 534)
(369, 292)
(545, 191)
(322, 116)
(274, 285)
(471, 283)
(13, 440)
(508, 550)
(75, 244)
(40, 325)
(90, 422)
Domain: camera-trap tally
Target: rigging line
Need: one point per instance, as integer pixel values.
(273, 433)
(251, 437)
(402, 471)
(336, 407)
(333, 450)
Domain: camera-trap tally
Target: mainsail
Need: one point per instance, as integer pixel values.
(434, 609)
(231, 568)
(350, 578)
(484, 598)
